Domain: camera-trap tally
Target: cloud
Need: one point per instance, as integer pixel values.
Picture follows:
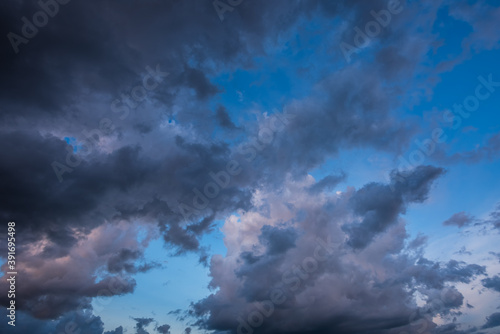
(55, 287)
(85, 67)
(459, 219)
(489, 151)
(81, 321)
(497, 255)
(141, 323)
(99, 64)
(223, 118)
(494, 217)
(492, 283)
(453, 328)
(340, 287)
(118, 330)
(277, 240)
(124, 261)
(197, 80)
(163, 329)
(380, 205)
(492, 321)
(329, 182)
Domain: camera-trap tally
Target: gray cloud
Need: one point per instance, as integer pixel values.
(341, 292)
(223, 118)
(125, 261)
(163, 329)
(494, 217)
(492, 321)
(492, 283)
(380, 205)
(69, 77)
(141, 323)
(327, 183)
(459, 219)
(118, 330)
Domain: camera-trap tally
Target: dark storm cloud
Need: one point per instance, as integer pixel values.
(73, 42)
(83, 200)
(70, 55)
(109, 52)
(459, 219)
(33, 197)
(26, 166)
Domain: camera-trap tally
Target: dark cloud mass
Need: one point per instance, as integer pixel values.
(126, 122)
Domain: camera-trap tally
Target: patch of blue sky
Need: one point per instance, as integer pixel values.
(454, 88)
(72, 141)
(214, 241)
(277, 78)
(181, 281)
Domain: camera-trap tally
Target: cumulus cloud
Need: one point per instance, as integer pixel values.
(339, 286)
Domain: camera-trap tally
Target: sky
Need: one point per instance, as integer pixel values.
(250, 166)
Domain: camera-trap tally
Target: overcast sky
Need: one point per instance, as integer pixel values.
(251, 166)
